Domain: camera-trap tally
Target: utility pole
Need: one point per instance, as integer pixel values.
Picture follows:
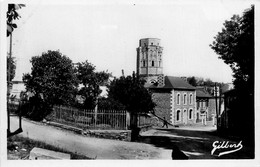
(8, 85)
(216, 98)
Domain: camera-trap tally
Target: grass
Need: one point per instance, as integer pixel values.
(20, 147)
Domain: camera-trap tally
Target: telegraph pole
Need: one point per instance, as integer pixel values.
(8, 85)
(216, 98)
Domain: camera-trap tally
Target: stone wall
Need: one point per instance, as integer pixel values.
(162, 99)
(124, 135)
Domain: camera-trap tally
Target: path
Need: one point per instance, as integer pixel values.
(91, 147)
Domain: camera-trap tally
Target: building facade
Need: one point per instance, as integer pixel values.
(175, 100)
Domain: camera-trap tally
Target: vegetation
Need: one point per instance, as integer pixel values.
(130, 92)
(235, 45)
(10, 62)
(11, 16)
(91, 81)
(207, 83)
(25, 145)
(52, 80)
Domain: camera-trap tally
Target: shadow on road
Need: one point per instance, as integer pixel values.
(191, 143)
(195, 144)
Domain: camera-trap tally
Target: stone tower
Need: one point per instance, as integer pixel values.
(149, 59)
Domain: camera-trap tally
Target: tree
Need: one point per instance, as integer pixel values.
(11, 16)
(235, 45)
(10, 62)
(192, 81)
(53, 79)
(109, 104)
(130, 92)
(91, 82)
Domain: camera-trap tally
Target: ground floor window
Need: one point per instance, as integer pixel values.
(190, 114)
(178, 115)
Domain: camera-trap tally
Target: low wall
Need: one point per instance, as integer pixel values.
(124, 135)
(145, 128)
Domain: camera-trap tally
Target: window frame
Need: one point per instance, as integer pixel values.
(178, 101)
(191, 98)
(178, 115)
(185, 98)
(190, 113)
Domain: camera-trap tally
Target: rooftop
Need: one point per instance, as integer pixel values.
(202, 94)
(171, 82)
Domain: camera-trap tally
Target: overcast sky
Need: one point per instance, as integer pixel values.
(107, 33)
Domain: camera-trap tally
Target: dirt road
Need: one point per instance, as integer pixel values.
(91, 147)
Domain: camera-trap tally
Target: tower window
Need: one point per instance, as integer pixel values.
(151, 43)
(159, 63)
(144, 63)
(152, 63)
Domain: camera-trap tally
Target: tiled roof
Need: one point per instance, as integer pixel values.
(202, 94)
(171, 82)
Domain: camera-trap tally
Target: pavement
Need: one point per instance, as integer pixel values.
(91, 147)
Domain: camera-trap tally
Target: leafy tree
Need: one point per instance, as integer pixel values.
(130, 92)
(235, 45)
(10, 62)
(11, 16)
(91, 82)
(53, 79)
(109, 104)
(192, 81)
(208, 82)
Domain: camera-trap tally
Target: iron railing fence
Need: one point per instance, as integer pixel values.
(91, 119)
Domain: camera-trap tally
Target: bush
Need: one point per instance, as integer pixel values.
(35, 108)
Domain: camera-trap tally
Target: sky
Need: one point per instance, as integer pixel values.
(107, 33)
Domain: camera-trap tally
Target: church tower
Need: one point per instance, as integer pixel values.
(149, 59)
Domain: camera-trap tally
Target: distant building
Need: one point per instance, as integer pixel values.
(17, 88)
(205, 110)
